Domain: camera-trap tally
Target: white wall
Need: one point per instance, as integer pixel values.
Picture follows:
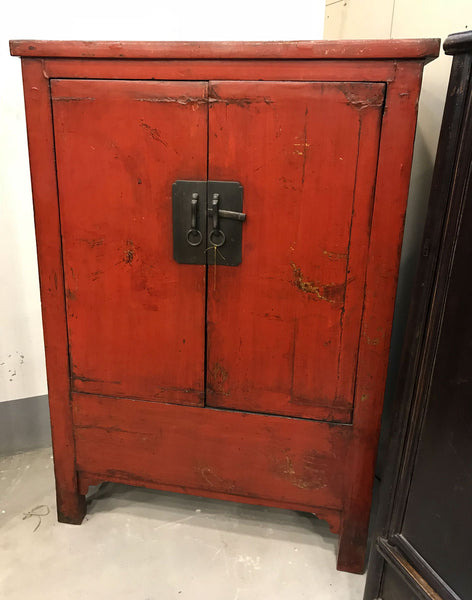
(22, 371)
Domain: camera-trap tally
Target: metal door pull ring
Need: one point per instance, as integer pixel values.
(217, 237)
(196, 234)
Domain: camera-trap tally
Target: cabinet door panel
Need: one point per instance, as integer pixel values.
(119, 147)
(284, 326)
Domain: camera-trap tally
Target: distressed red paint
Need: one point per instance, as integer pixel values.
(320, 135)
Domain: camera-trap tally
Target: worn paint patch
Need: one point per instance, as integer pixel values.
(72, 99)
(129, 252)
(219, 376)
(329, 292)
(357, 98)
(240, 101)
(336, 414)
(311, 476)
(93, 243)
(174, 100)
(163, 391)
(377, 339)
(153, 132)
(90, 380)
(301, 149)
(335, 255)
(216, 481)
(95, 275)
(272, 316)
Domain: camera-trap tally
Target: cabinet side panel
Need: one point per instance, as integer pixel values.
(396, 148)
(70, 504)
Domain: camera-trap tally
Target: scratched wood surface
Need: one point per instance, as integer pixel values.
(119, 147)
(124, 331)
(71, 506)
(213, 450)
(346, 49)
(283, 327)
(394, 164)
(222, 69)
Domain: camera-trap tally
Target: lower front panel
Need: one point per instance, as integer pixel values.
(280, 461)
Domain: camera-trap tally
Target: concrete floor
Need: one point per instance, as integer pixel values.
(138, 544)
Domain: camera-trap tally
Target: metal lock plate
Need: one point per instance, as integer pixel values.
(207, 222)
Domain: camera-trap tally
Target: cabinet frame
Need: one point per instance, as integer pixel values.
(398, 64)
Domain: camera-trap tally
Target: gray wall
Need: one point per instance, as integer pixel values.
(24, 425)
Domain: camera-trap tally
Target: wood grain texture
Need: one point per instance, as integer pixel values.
(252, 70)
(347, 49)
(70, 503)
(328, 266)
(293, 461)
(331, 515)
(395, 154)
(295, 303)
(120, 146)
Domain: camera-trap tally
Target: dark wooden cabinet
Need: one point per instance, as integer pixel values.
(422, 544)
(260, 382)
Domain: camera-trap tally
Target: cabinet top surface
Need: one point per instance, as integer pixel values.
(425, 49)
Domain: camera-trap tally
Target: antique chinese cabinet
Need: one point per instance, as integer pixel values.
(218, 230)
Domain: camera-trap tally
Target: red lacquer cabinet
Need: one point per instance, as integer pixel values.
(238, 353)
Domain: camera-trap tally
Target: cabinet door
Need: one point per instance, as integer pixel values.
(284, 326)
(135, 317)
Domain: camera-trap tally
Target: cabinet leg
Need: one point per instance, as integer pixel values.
(352, 548)
(71, 507)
